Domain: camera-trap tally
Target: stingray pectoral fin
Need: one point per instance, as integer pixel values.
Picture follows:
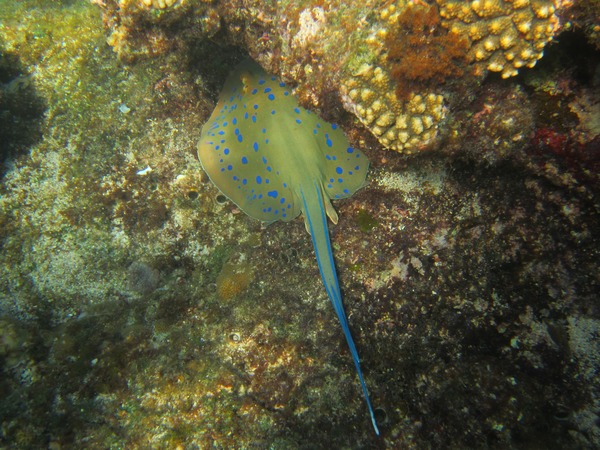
(315, 210)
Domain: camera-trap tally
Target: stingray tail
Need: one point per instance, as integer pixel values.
(316, 223)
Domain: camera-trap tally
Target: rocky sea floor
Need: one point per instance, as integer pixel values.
(139, 308)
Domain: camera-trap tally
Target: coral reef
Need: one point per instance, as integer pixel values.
(384, 62)
(423, 47)
(469, 274)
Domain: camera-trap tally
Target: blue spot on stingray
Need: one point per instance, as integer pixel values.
(264, 159)
(221, 132)
(273, 112)
(267, 90)
(244, 181)
(281, 84)
(350, 150)
(328, 141)
(234, 121)
(267, 181)
(346, 191)
(269, 168)
(224, 124)
(286, 93)
(244, 160)
(271, 97)
(357, 168)
(255, 146)
(217, 147)
(261, 82)
(254, 91)
(341, 180)
(240, 138)
(297, 110)
(258, 179)
(237, 131)
(330, 186)
(246, 115)
(229, 167)
(339, 170)
(333, 126)
(226, 151)
(255, 106)
(285, 185)
(328, 158)
(273, 194)
(254, 119)
(264, 130)
(298, 121)
(282, 201)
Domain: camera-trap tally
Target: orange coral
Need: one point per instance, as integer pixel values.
(422, 52)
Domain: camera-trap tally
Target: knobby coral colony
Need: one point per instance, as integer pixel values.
(399, 95)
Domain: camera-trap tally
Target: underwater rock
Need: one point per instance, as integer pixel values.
(473, 297)
(142, 278)
(234, 278)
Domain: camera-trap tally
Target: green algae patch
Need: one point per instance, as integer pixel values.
(365, 221)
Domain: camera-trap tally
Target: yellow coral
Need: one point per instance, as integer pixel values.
(500, 36)
(504, 35)
(403, 125)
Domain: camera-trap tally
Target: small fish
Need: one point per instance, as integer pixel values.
(275, 159)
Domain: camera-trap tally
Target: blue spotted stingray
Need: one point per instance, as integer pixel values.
(275, 159)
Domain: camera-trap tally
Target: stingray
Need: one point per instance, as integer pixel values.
(275, 160)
